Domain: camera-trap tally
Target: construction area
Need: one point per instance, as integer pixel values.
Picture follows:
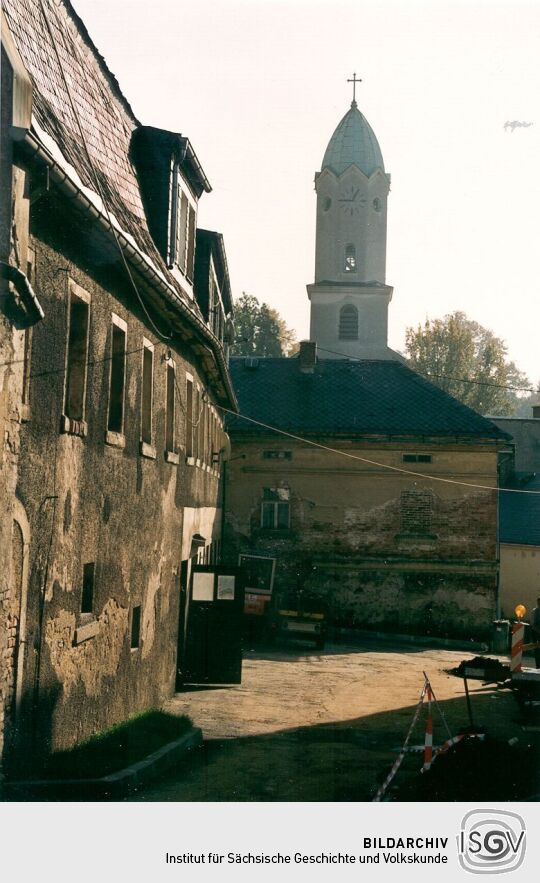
(330, 725)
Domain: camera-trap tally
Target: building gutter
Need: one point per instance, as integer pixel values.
(136, 257)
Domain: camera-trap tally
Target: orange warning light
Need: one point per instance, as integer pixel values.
(520, 611)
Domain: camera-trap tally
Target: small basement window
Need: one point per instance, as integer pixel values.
(136, 627)
(416, 458)
(77, 353)
(87, 602)
(147, 392)
(117, 376)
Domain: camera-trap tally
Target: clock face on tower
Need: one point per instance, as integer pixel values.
(350, 200)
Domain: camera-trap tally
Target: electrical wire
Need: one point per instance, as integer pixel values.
(439, 376)
(387, 466)
(91, 364)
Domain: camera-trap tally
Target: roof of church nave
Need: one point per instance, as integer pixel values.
(353, 143)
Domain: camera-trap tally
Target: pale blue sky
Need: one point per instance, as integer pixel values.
(259, 85)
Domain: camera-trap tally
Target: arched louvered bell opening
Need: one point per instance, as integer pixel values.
(348, 323)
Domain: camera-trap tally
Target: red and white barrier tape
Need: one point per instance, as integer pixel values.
(397, 763)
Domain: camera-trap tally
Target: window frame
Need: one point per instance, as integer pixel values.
(182, 225)
(190, 435)
(146, 447)
(171, 451)
(76, 425)
(116, 437)
(350, 263)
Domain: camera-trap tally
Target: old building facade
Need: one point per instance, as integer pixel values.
(116, 484)
(373, 493)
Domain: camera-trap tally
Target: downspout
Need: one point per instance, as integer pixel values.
(25, 291)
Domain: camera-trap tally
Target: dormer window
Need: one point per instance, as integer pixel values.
(183, 226)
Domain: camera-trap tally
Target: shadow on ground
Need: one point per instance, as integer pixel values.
(347, 760)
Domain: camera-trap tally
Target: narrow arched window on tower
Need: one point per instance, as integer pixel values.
(348, 323)
(350, 259)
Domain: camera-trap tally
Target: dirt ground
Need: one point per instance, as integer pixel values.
(325, 725)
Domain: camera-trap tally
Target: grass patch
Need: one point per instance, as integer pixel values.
(119, 747)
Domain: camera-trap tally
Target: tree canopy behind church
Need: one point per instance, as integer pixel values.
(468, 361)
(260, 330)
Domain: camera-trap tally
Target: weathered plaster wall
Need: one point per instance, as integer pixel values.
(348, 533)
(88, 501)
(13, 250)
(520, 578)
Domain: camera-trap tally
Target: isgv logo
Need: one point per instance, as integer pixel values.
(491, 841)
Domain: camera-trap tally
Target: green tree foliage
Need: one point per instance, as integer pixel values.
(260, 330)
(468, 361)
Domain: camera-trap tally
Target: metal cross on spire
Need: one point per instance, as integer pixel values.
(354, 81)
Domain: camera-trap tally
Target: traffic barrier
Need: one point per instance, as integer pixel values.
(518, 634)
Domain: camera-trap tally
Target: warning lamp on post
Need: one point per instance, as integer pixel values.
(520, 610)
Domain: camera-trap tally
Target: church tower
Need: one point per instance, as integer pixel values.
(349, 298)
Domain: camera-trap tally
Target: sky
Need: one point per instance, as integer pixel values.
(258, 86)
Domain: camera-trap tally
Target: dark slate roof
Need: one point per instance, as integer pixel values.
(344, 397)
(519, 514)
(107, 120)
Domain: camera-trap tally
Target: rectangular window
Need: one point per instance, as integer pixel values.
(181, 242)
(277, 455)
(87, 602)
(170, 439)
(117, 375)
(77, 353)
(416, 458)
(136, 627)
(202, 421)
(275, 509)
(147, 392)
(190, 263)
(189, 417)
(197, 425)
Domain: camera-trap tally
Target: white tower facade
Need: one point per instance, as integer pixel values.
(350, 298)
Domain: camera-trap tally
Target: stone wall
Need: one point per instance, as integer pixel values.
(116, 507)
(14, 251)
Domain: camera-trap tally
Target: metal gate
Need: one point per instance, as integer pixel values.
(212, 652)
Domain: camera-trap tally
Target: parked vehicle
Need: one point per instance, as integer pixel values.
(295, 616)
